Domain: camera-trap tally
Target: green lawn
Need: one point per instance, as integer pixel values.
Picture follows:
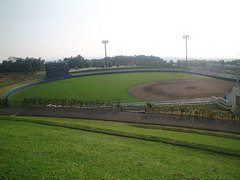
(30, 150)
(101, 87)
(151, 132)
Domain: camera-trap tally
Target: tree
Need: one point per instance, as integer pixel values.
(14, 64)
(77, 61)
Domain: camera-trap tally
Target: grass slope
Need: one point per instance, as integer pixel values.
(101, 87)
(205, 140)
(9, 81)
(30, 151)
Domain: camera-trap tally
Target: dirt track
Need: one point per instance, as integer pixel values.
(191, 122)
(181, 89)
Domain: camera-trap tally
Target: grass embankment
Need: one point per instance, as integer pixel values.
(9, 81)
(101, 87)
(204, 140)
(29, 150)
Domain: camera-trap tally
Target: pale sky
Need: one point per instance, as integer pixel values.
(53, 29)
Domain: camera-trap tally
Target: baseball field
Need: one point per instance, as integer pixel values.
(129, 87)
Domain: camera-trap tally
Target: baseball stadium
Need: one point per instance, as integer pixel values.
(144, 106)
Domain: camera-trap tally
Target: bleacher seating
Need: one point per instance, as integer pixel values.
(228, 71)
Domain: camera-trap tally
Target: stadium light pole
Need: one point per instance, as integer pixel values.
(237, 75)
(186, 37)
(105, 48)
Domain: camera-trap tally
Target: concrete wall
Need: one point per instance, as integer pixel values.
(232, 96)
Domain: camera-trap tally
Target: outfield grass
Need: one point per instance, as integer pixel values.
(29, 151)
(101, 87)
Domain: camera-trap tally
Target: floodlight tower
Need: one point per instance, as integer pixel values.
(237, 75)
(105, 47)
(186, 37)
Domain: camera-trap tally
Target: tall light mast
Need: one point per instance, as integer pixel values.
(237, 75)
(186, 37)
(105, 48)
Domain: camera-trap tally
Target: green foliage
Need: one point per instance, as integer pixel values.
(148, 105)
(77, 61)
(141, 60)
(22, 65)
(234, 62)
(63, 102)
(206, 111)
(4, 102)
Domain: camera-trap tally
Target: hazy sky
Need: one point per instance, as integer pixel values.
(54, 29)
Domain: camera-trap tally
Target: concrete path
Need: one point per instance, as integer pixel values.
(169, 120)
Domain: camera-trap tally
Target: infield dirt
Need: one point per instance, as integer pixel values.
(181, 89)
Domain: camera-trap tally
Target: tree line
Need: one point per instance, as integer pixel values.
(15, 64)
(141, 60)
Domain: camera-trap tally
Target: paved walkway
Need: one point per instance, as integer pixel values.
(191, 122)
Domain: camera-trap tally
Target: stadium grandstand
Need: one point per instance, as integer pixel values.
(220, 70)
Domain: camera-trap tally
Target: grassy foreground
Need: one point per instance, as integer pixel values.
(101, 87)
(32, 150)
